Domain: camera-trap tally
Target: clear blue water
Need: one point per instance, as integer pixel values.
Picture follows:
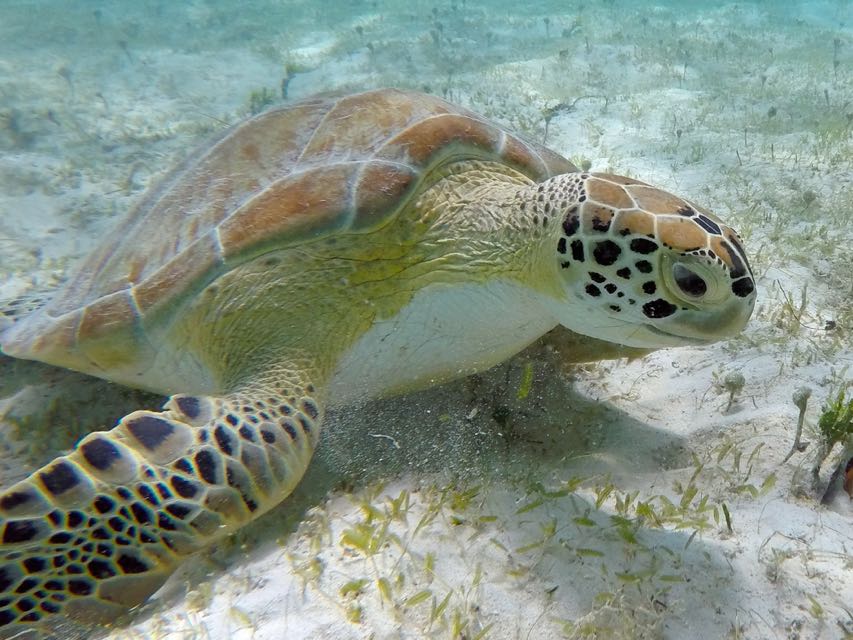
(744, 106)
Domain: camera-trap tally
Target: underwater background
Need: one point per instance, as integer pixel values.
(641, 499)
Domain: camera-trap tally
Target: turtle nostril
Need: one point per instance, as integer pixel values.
(689, 283)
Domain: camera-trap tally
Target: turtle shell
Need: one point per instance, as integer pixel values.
(290, 175)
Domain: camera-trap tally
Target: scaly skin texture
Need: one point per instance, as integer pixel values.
(97, 531)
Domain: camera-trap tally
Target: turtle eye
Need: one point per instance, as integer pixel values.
(689, 282)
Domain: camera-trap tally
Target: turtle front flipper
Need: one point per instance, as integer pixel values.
(99, 530)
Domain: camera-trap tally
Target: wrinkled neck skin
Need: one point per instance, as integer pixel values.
(486, 219)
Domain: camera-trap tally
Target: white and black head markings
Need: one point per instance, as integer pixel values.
(624, 241)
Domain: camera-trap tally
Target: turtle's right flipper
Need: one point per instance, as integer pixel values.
(96, 532)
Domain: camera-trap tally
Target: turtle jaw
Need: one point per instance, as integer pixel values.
(646, 335)
(706, 326)
(628, 334)
(680, 340)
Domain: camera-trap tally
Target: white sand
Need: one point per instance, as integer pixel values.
(573, 513)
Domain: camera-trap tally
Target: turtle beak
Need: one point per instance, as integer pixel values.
(706, 326)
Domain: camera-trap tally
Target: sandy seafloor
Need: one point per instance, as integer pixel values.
(593, 506)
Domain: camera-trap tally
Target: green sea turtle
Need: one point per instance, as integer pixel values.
(316, 254)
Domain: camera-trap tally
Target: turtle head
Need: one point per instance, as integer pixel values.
(644, 268)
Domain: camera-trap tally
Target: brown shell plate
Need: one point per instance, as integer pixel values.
(289, 175)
